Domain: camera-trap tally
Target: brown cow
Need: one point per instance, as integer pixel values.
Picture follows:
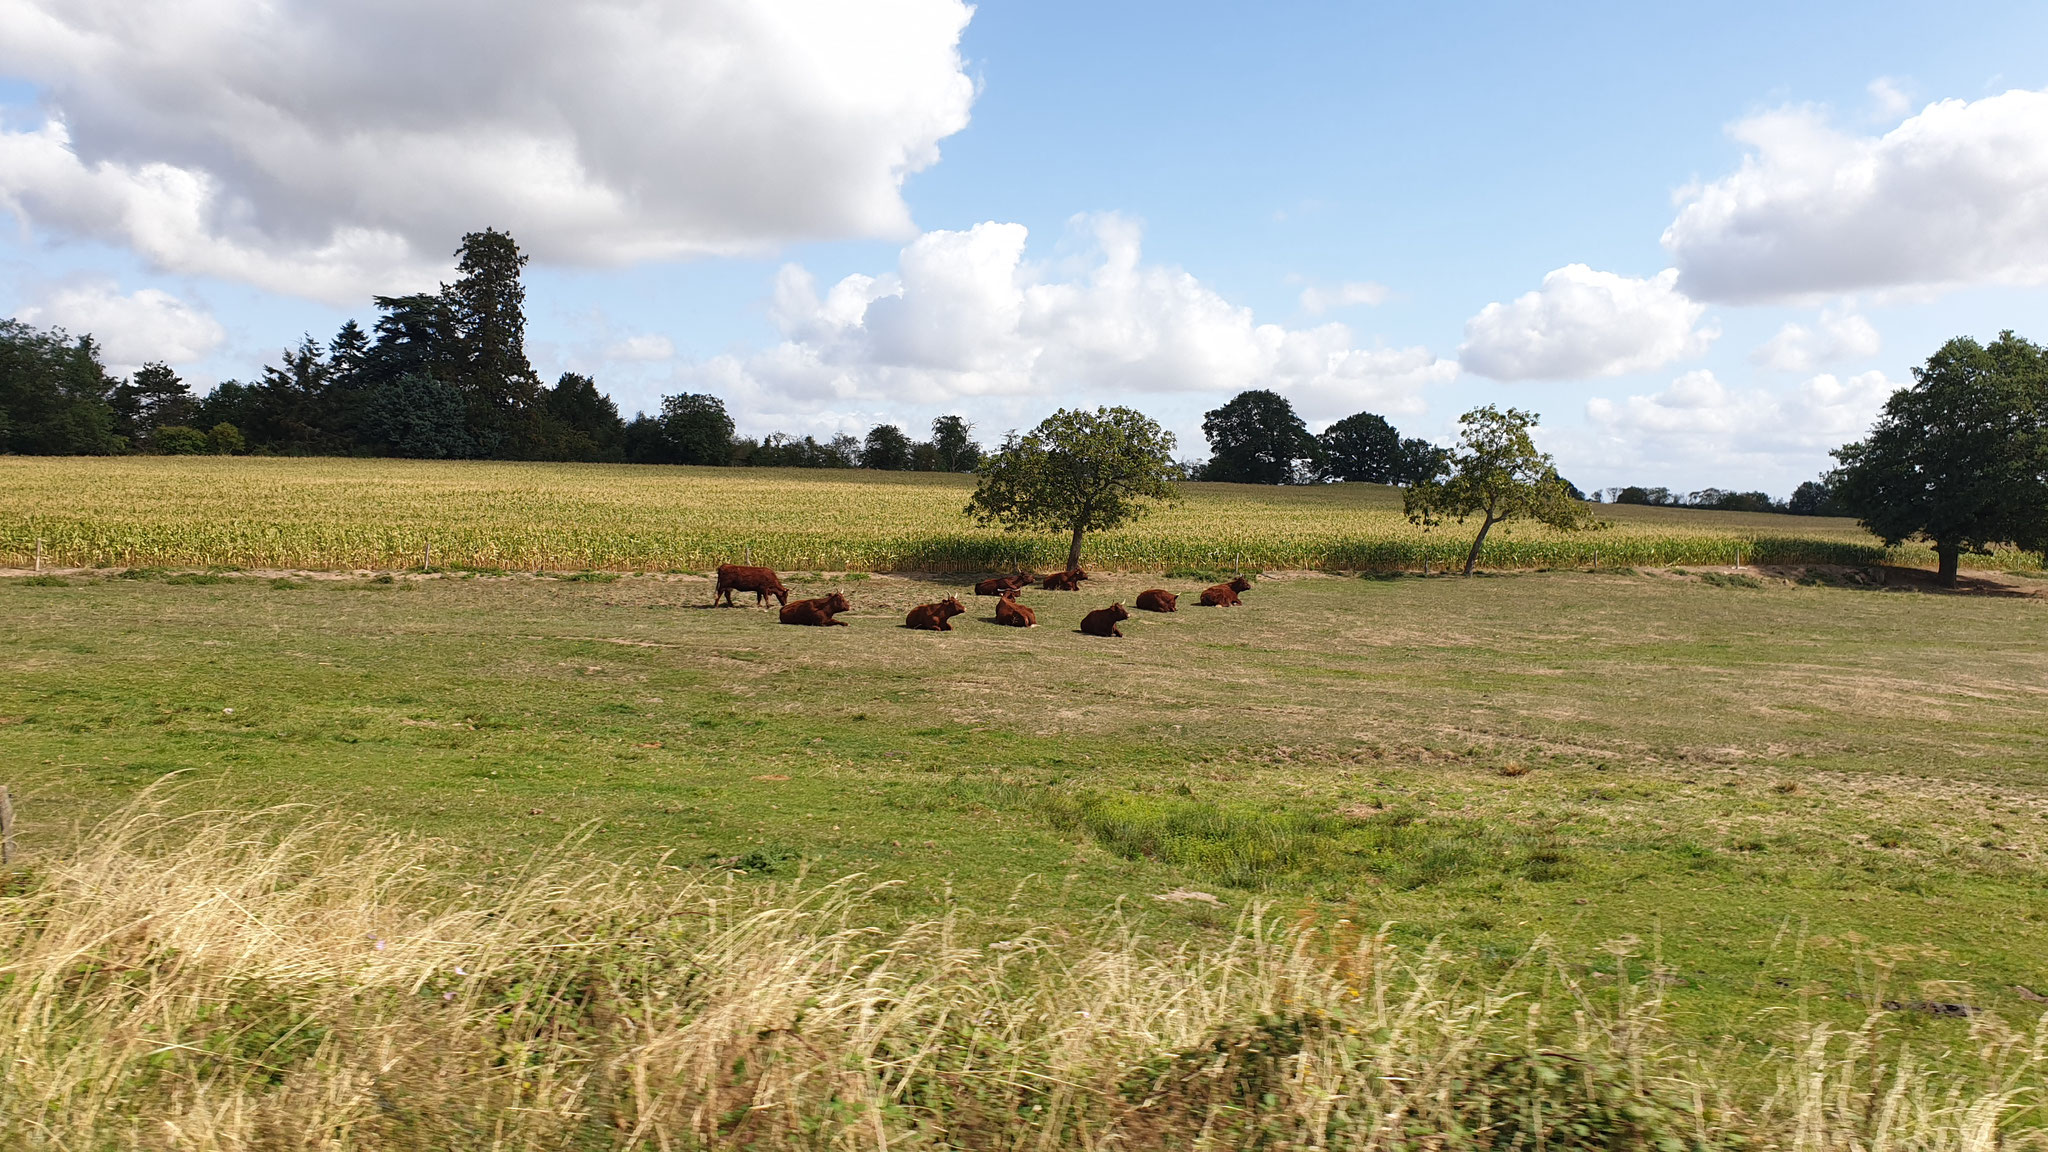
(1225, 595)
(934, 617)
(1102, 621)
(1158, 600)
(1016, 615)
(1064, 581)
(762, 582)
(817, 613)
(997, 585)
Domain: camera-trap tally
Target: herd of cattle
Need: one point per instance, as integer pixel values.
(938, 617)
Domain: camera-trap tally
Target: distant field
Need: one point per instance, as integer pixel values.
(330, 514)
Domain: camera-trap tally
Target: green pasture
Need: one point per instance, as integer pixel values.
(1804, 798)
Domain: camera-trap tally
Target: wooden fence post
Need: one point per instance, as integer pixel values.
(6, 827)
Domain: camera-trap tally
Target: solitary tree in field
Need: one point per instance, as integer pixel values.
(1076, 472)
(1960, 459)
(1497, 475)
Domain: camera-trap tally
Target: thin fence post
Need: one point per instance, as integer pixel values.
(39, 553)
(6, 827)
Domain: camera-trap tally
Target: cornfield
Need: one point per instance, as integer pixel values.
(259, 981)
(331, 514)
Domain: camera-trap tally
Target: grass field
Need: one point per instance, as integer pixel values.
(391, 514)
(1633, 836)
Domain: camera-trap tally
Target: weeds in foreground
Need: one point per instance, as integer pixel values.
(229, 981)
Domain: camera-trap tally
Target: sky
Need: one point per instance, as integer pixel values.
(1703, 244)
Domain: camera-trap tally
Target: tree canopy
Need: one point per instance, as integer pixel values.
(886, 449)
(1959, 459)
(1366, 448)
(1077, 472)
(1257, 439)
(1497, 474)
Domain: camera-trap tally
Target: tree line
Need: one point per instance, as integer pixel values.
(440, 375)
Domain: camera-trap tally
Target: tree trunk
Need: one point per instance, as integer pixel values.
(1951, 556)
(1472, 557)
(1074, 550)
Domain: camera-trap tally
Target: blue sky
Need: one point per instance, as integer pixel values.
(1407, 209)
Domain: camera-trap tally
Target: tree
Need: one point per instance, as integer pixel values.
(151, 399)
(583, 423)
(1256, 439)
(487, 306)
(1498, 475)
(418, 416)
(54, 394)
(1363, 448)
(697, 429)
(886, 449)
(1076, 472)
(954, 446)
(1813, 498)
(1959, 459)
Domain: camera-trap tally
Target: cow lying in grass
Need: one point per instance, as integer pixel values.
(1016, 615)
(817, 613)
(934, 617)
(1103, 621)
(1158, 600)
(1064, 581)
(762, 582)
(1225, 595)
(997, 585)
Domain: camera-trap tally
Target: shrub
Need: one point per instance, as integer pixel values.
(178, 440)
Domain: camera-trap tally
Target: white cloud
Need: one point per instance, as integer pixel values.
(1797, 348)
(643, 348)
(1352, 294)
(965, 314)
(1888, 98)
(1583, 323)
(131, 329)
(1700, 427)
(329, 149)
(1952, 196)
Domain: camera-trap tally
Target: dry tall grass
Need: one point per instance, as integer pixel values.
(223, 981)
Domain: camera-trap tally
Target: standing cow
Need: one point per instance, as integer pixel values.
(817, 613)
(934, 617)
(762, 582)
(1225, 595)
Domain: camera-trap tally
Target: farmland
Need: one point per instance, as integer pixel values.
(343, 515)
(574, 856)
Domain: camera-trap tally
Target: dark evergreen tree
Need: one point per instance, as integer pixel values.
(294, 417)
(886, 449)
(584, 424)
(1960, 459)
(418, 416)
(487, 309)
(151, 399)
(1257, 439)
